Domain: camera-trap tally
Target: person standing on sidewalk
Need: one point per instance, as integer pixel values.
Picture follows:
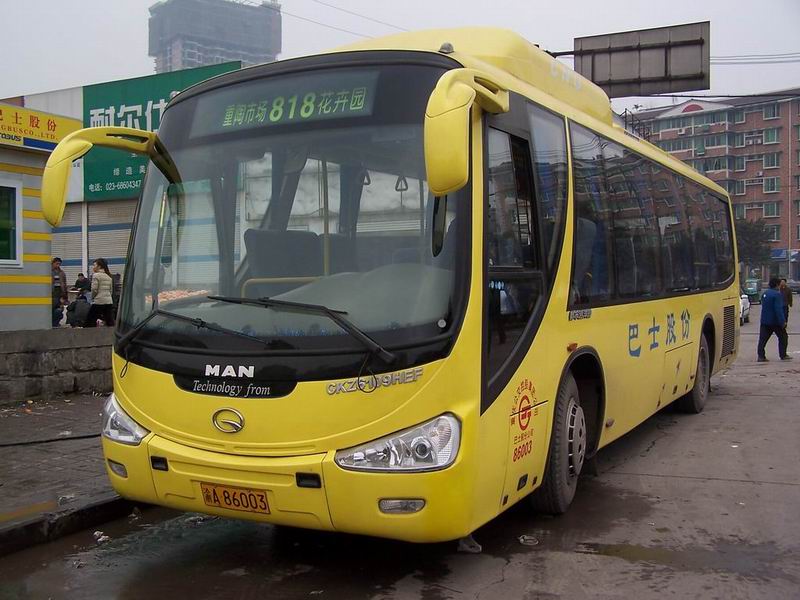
(787, 299)
(59, 289)
(102, 304)
(772, 321)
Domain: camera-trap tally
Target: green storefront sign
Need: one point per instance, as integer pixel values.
(139, 103)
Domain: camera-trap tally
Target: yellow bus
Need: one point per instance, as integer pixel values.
(397, 288)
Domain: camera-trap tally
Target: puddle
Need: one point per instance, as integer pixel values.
(750, 561)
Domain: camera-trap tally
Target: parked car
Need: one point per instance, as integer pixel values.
(744, 310)
(752, 287)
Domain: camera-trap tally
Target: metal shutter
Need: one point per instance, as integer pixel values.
(109, 230)
(67, 243)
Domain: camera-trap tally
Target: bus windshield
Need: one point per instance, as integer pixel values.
(303, 188)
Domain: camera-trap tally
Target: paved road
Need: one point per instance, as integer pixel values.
(699, 506)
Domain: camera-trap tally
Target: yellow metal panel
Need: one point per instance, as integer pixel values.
(20, 169)
(25, 278)
(37, 257)
(31, 235)
(33, 214)
(25, 301)
(510, 54)
(33, 192)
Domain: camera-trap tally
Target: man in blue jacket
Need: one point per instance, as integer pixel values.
(773, 321)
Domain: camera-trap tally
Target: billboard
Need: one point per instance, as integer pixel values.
(139, 103)
(28, 128)
(647, 61)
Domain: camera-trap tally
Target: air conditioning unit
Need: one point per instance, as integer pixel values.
(682, 131)
(759, 173)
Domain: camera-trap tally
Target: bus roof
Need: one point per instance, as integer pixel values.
(509, 52)
(505, 52)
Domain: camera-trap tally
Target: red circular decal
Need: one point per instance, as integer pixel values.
(524, 412)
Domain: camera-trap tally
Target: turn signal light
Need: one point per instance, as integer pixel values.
(117, 468)
(397, 506)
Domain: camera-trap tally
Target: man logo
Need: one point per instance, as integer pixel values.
(228, 420)
(230, 371)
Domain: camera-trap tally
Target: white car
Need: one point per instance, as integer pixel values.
(744, 310)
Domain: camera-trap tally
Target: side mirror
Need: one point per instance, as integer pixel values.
(56, 172)
(447, 125)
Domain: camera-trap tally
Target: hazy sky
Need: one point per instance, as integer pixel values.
(53, 44)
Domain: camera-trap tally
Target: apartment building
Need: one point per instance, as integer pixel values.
(185, 34)
(751, 147)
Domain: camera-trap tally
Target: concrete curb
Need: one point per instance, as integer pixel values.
(46, 527)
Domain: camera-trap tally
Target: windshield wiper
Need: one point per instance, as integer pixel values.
(197, 322)
(334, 315)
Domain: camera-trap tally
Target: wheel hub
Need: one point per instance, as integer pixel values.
(576, 437)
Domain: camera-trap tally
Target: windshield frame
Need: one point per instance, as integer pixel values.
(460, 294)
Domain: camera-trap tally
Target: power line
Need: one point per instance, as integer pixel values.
(358, 14)
(774, 95)
(737, 56)
(740, 64)
(308, 20)
(756, 61)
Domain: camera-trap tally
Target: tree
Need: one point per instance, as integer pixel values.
(753, 241)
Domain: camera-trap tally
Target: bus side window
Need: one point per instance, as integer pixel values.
(676, 242)
(550, 168)
(722, 238)
(515, 283)
(592, 274)
(636, 236)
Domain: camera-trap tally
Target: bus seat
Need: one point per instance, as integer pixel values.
(407, 255)
(281, 254)
(342, 253)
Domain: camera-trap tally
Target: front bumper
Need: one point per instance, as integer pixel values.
(346, 502)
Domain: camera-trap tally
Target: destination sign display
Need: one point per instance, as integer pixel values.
(317, 96)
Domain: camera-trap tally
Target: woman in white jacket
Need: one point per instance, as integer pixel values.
(102, 286)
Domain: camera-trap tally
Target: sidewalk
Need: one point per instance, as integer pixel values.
(50, 489)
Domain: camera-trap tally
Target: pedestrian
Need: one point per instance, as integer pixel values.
(786, 292)
(59, 290)
(78, 312)
(82, 283)
(59, 312)
(116, 281)
(102, 304)
(772, 321)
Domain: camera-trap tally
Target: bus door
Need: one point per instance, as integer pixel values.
(515, 296)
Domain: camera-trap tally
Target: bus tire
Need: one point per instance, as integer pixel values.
(567, 452)
(695, 400)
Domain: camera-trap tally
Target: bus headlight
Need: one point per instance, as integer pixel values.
(428, 446)
(119, 427)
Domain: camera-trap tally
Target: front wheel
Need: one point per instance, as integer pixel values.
(695, 400)
(567, 452)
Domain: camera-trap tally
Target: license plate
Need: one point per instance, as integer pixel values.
(235, 498)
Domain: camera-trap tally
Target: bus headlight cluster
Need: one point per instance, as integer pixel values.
(120, 427)
(428, 446)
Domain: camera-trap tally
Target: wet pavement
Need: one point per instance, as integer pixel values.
(701, 506)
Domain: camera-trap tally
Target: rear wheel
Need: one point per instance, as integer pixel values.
(567, 452)
(695, 400)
